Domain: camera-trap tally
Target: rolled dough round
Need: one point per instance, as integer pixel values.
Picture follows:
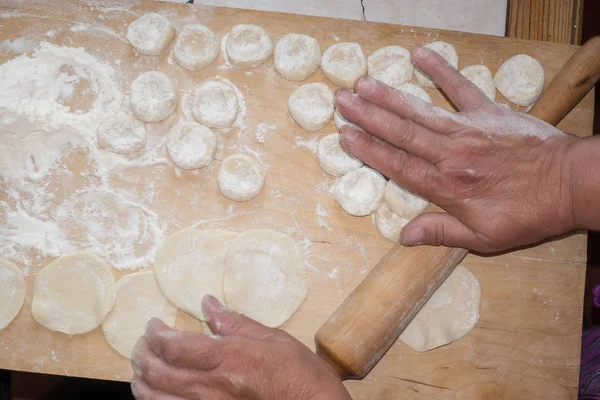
(122, 134)
(192, 146)
(150, 34)
(265, 276)
(391, 65)
(416, 91)
(402, 202)
(344, 63)
(73, 294)
(248, 46)
(333, 159)
(12, 292)
(241, 178)
(215, 104)
(521, 80)
(196, 47)
(339, 120)
(448, 53)
(360, 192)
(312, 106)
(389, 224)
(153, 96)
(481, 76)
(297, 57)
(139, 299)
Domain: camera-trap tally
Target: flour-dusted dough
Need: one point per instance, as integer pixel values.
(416, 91)
(521, 80)
(192, 146)
(215, 104)
(391, 65)
(139, 299)
(153, 96)
(226, 235)
(73, 294)
(188, 266)
(360, 192)
(241, 178)
(265, 276)
(481, 76)
(333, 159)
(402, 202)
(122, 134)
(450, 313)
(151, 34)
(389, 224)
(339, 120)
(248, 46)
(312, 106)
(448, 53)
(12, 292)
(344, 63)
(196, 47)
(297, 57)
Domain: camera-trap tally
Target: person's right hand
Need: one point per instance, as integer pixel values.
(503, 176)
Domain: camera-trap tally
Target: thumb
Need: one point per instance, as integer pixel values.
(222, 321)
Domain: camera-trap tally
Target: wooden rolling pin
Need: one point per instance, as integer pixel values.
(372, 318)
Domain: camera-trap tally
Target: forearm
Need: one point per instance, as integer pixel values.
(584, 160)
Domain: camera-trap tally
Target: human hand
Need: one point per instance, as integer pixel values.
(245, 361)
(503, 176)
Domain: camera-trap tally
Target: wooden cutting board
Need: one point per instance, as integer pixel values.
(527, 342)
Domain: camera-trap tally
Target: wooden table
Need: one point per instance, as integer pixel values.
(527, 342)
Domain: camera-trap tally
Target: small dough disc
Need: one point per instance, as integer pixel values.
(188, 266)
(73, 294)
(153, 96)
(122, 134)
(150, 34)
(389, 224)
(391, 65)
(241, 178)
(448, 53)
(416, 91)
(192, 146)
(196, 47)
(402, 202)
(344, 63)
(265, 277)
(449, 315)
(521, 80)
(339, 120)
(333, 158)
(297, 57)
(215, 104)
(139, 299)
(312, 106)
(481, 76)
(12, 292)
(360, 192)
(248, 46)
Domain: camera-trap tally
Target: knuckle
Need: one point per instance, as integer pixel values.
(398, 163)
(172, 351)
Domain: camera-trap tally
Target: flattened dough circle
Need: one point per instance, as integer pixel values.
(150, 34)
(481, 77)
(391, 65)
(344, 63)
(333, 159)
(196, 47)
(297, 57)
(416, 91)
(360, 192)
(153, 96)
(248, 46)
(389, 224)
(192, 146)
(215, 104)
(122, 134)
(312, 106)
(241, 178)
(521, 80)
(12, 292)
(402, 202)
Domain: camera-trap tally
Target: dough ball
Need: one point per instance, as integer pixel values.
(153, 96)
(402, 202)
(248, 46)
(122, 134)
(448, 53)
(241, 178)
(12, 292)
(150, 34)
(297, 57)
(188, 266)
(481, 76)
(344, 63)
(416, 91)
(73, 294)
(312, 106)
(391, 65)
(340, 121)
(450, 313)
(360, 192)
(265, 277)
(521, 80)
(215, 104)
(139, 299)
(389, 224)
(333, 159)
(192, 146)
(196, 47)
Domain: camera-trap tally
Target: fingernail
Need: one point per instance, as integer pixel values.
(210, 303)
(419, 52)
(344, 97)
(366, 84)
(349, 135)
(413, 237)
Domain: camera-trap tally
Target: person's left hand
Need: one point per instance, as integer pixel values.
(246, 361)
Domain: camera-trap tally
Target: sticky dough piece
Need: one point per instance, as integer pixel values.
(12, 292)
(521, 80)
(241, 178)
(265, 277)
(389, 224)
(122, 134)
(391, 65)
(312, 106)
(416, 91)
(153, 96)
(339, 121)
(215, 104)
(360, 192)
(139, 299)
(73, 294)
(248, 46)
(448, 53)
(333, 158)
(450, 314)
(481, 77)
(344, 63)
(151, 34)
(192, 146)
(196, 47)
(188, 266)
(402, 202)
(297, 57)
